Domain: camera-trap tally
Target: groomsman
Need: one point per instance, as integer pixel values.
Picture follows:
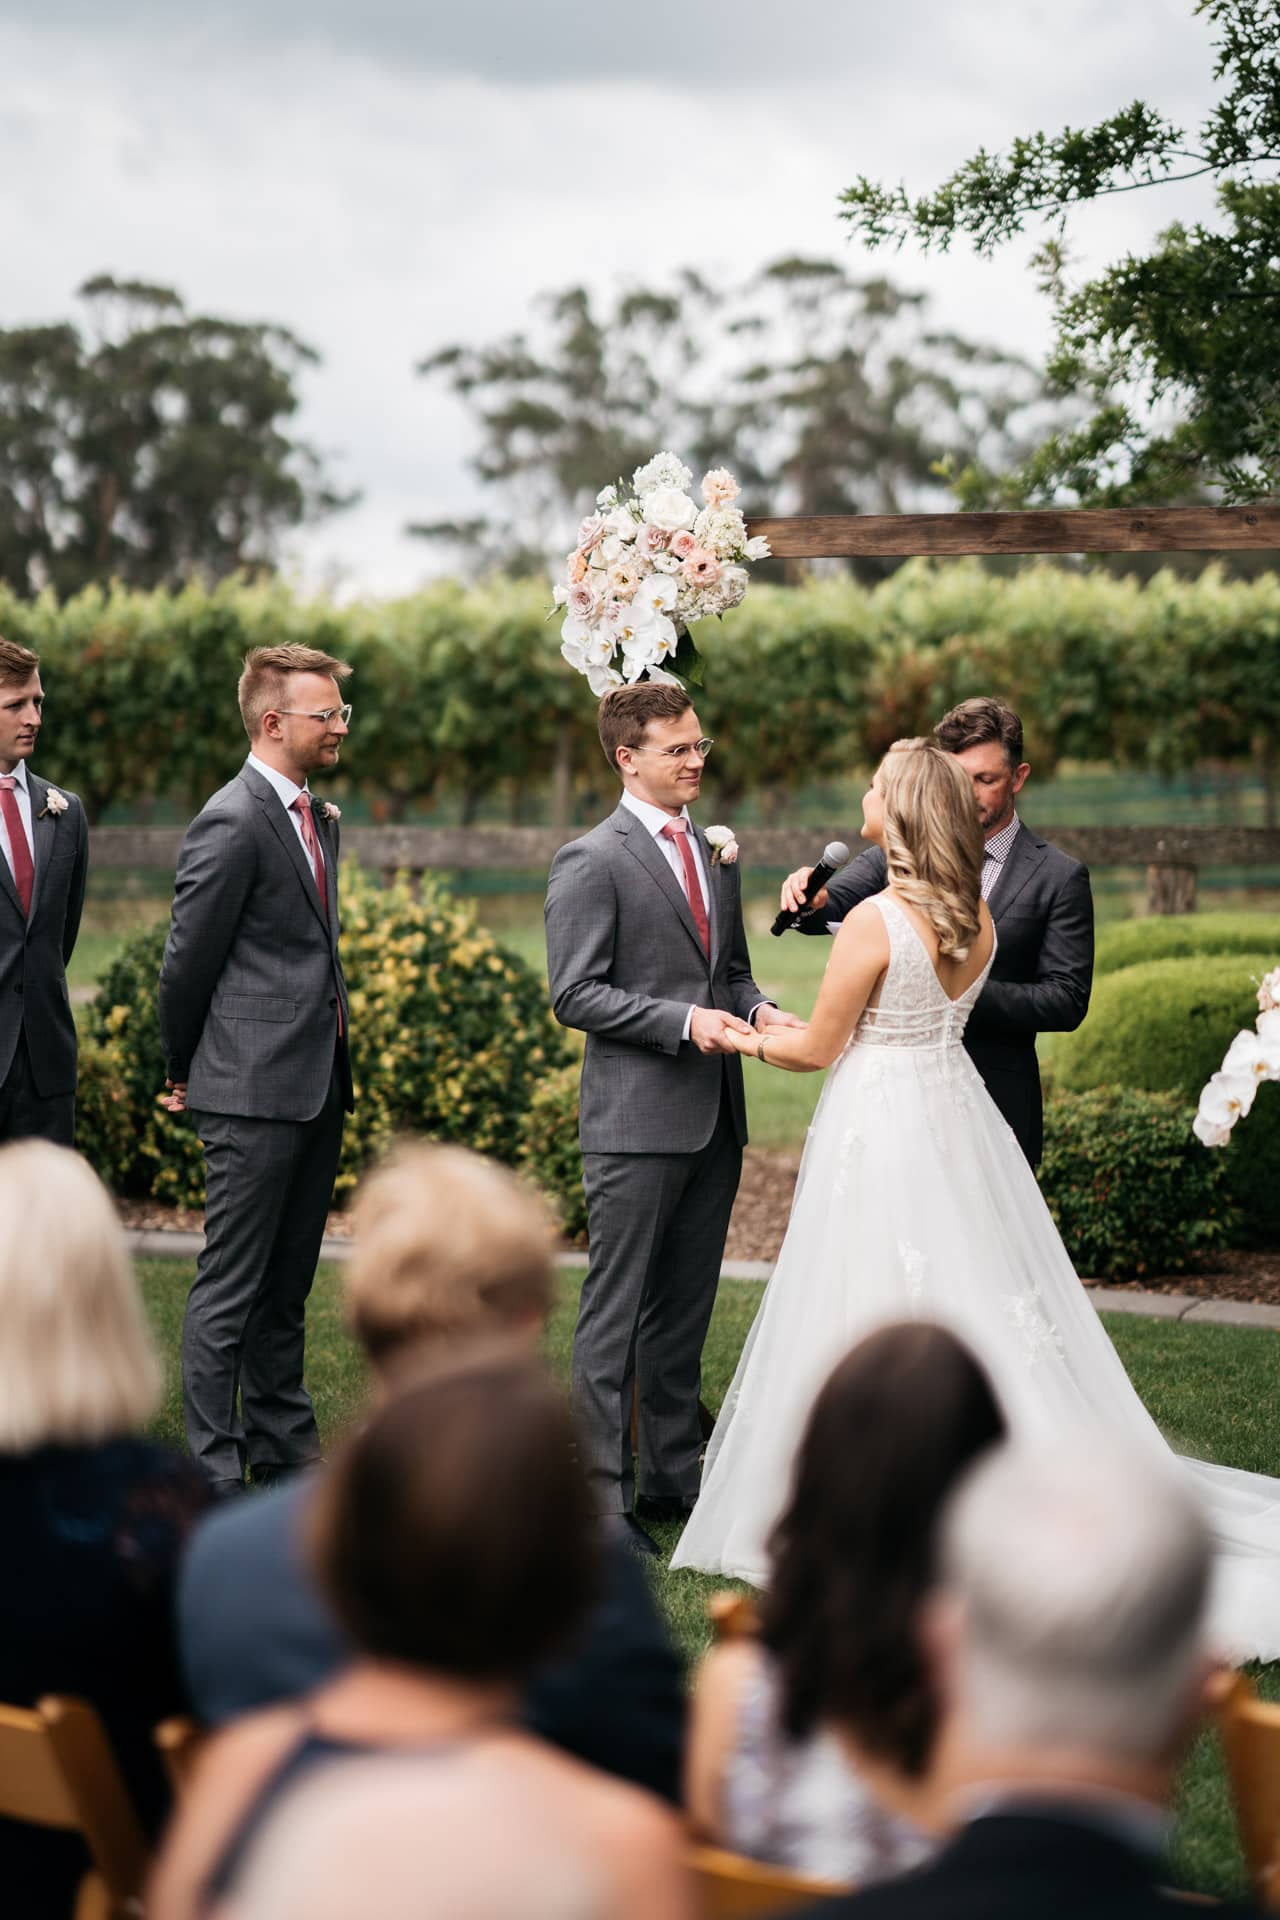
(253, 1014)
(1039, 899)
(44, 841)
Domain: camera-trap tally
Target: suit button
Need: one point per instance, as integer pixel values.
(333, 1002)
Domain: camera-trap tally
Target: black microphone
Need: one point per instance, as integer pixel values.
(833, 858)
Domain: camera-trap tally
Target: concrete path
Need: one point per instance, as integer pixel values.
(165, 1243)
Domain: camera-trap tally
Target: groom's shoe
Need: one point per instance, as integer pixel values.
(663, 1506)
(627, 1529)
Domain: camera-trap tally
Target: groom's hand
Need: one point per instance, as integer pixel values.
(792, 897)
(709, 1030)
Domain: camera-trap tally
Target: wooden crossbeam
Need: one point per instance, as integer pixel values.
(847, 536)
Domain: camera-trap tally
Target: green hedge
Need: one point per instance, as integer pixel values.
(1128, 943)
(464, 691)
(1165, 1025)
(1131, 1188)
(549, 1149)
(451, 1036)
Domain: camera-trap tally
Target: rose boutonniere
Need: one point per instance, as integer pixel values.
(329, 812)
(54, 803)
(724, 848)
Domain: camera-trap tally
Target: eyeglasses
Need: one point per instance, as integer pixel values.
(325, 713)
(701, 747)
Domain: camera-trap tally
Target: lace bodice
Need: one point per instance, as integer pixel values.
(915, 1009)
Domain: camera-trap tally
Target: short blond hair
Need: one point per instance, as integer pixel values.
(447, 1245)
(16, 663)
(265, 680)
(76, 1359)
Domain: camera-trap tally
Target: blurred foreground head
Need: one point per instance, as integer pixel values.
(76, 1360)
(1072, 1613)
(448, 1246)
(408, 1838)
(455, 1533)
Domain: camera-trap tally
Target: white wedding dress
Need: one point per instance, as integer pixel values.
(914, 1201)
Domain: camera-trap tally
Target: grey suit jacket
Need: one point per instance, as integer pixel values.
(1041, 977)
(251, 982)
(625, 964)
(34, 952)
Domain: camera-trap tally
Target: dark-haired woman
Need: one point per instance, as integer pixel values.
(813, 1745)
(458, 1549)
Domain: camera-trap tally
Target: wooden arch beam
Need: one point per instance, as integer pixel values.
(842, 536)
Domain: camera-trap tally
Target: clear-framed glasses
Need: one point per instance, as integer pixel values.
(325, 714)
(701, 747)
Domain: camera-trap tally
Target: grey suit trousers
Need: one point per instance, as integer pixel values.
(656, 1225)
(269, 1185)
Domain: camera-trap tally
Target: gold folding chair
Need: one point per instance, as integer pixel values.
(1250, 1732)
(57, 1771)
(179, 1742)
(732, 1887)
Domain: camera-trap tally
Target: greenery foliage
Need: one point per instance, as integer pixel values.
(450, 1037)
(1131, 1189)
(1165, 1024)
(1127, 943)
(549, 1148)
(1179, 327)
(465, 691)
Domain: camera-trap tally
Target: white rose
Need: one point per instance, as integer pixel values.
(666, 563)
(559, 594)
(669, 508)
(734, 582)
(623, 523)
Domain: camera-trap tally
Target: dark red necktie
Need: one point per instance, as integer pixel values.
(19, 847)
(678, 830)
(312, 844)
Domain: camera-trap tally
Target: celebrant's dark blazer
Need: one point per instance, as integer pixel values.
(35, 948)
(1041, 977)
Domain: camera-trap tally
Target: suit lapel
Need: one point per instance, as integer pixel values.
(42, 833)
(280, 824)
(641, 844)
(1025, 855)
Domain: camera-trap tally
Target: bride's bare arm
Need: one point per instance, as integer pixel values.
(858, 958)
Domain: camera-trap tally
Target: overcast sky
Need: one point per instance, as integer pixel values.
(390, 176)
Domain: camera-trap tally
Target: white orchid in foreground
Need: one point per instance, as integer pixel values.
(1252, 1057)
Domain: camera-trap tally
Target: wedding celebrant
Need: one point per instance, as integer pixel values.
(44, 839)
(253, 1015)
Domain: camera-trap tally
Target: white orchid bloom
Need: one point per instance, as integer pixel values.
(658, 592)
(1209, 1135)
(1251, 1058)
(1227, 1098)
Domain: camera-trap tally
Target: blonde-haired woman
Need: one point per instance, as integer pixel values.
(915, 1203)
(92, 1517)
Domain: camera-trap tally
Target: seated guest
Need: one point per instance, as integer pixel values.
(456, 1545)
(1068, 1637)
(92, 1517)
(448, 1246)
(895, 1426)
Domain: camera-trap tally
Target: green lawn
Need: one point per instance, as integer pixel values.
(1213, 1390)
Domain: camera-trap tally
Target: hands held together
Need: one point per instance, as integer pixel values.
(713, 1031)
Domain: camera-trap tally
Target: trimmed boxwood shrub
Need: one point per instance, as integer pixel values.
(549, 1149)
(1183, 936)
(1165, 1025)
(451, 1036)
(1132, 1190)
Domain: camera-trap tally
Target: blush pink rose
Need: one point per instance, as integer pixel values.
(583, 601)
(719, 487)
(701, 569)
(682, 545)
(591, 532)
(651, 540)
(577, 568)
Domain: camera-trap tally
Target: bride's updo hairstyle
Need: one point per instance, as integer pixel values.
(933, 840)
(894, 1429)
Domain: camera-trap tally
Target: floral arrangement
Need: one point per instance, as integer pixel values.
(724, 846)
(648, 563)
(1252, 1057)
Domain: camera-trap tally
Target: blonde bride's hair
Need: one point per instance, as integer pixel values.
(933, 840)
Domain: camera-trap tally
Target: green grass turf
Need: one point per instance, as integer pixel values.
(1212, 1389)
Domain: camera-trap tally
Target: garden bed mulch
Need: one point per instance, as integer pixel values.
(760, 1220)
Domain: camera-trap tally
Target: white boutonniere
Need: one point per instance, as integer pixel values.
(724, 848)
(54, 803)
(329, 812)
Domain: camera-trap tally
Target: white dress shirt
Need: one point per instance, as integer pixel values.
(22, 794)
(288, 792)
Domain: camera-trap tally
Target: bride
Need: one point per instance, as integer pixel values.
(914, 1201)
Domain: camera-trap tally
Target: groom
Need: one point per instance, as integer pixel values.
(1039, 898)
(646, 954)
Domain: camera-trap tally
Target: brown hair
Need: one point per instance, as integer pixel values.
(446, 1244)
(625, 712)
(16, 663)
(975, 722)
(933, 840)
(853, 1555)
(264, 682)
(455, 1533)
